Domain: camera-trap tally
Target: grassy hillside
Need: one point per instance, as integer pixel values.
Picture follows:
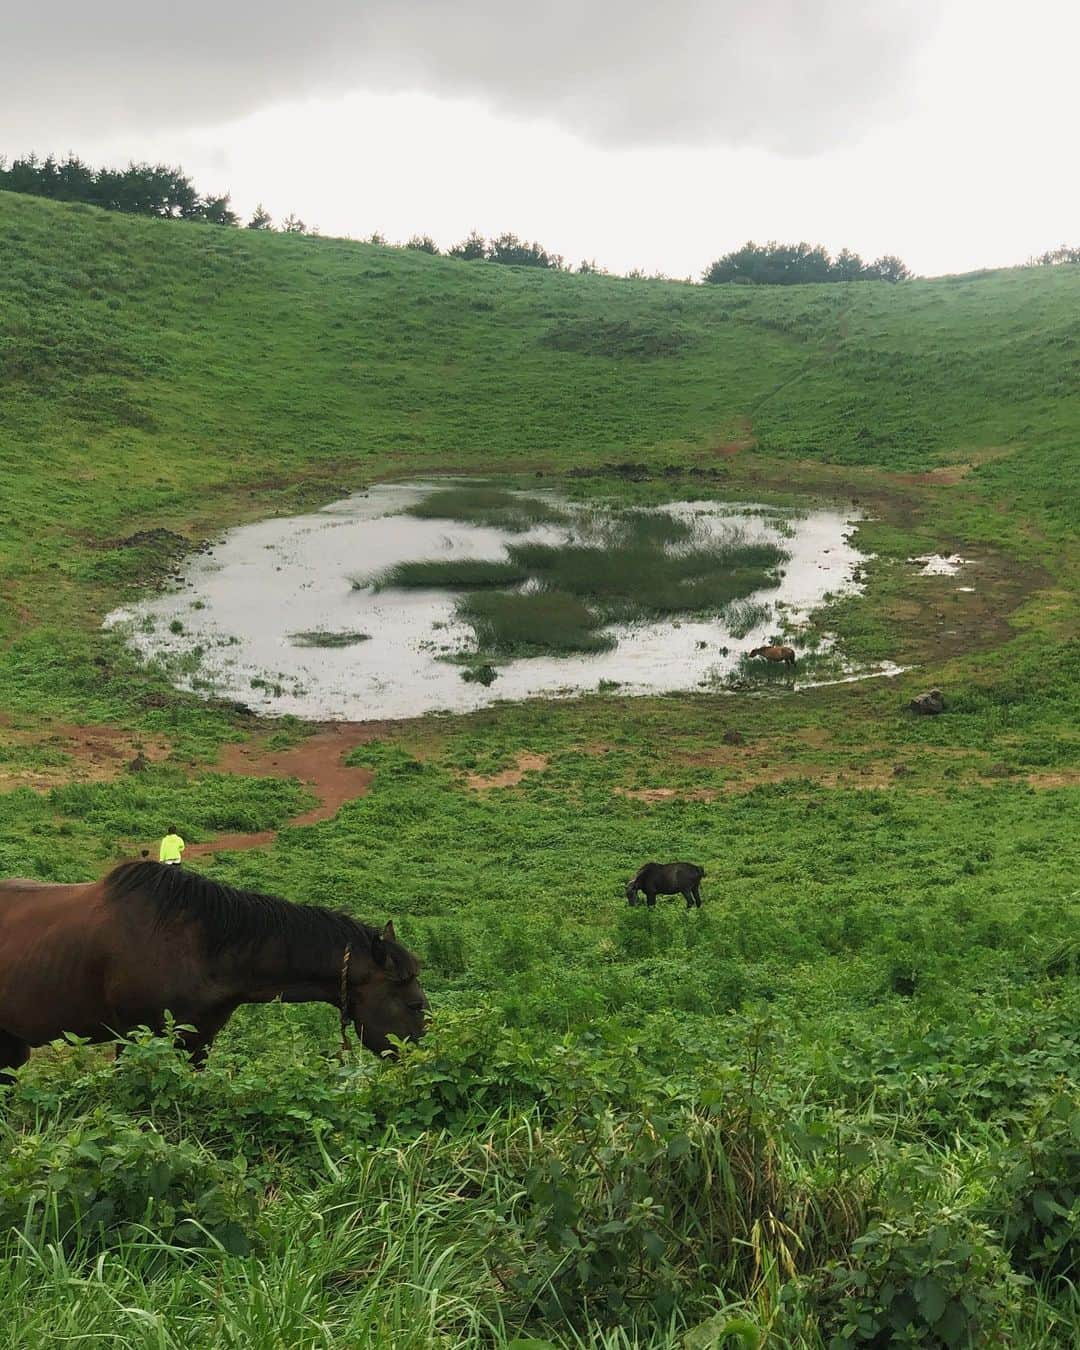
(838, 1106)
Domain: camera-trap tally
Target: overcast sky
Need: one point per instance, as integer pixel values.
(654, 136)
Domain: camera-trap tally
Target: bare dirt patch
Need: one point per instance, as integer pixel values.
(526, 761)
(90, 754)
(948, 475)
(317, 762)
(744, 441)
(1066, 778)
(754, 752)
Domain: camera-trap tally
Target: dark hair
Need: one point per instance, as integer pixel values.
(231, 918)
(171, 829)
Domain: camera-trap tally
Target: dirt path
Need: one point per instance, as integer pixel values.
(526, 761)
(317, 762)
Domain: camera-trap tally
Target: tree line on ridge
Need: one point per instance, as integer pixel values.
(168, 193)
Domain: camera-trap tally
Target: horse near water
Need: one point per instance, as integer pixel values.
(102, 958)
(677, 878)
(776, 654)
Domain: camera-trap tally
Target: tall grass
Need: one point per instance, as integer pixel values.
(480, 504)
(620, 567)
(643, 528)
(451, 573)
(633, 580)
(743, 616)
(321, 637)
(533, 623)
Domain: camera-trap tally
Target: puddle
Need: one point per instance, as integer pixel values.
(940, 564)
(248, 619)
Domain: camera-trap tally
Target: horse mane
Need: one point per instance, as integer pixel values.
(643, 868)
(231, 918)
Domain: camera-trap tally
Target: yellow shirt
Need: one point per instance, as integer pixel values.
(172, 846)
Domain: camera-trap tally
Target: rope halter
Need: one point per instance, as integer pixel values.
(344, 995)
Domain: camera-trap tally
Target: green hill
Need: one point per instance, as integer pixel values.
(839, 1105)
(148, 347)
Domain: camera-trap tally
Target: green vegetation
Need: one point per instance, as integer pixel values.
(480, 504)
(637, 579)
(141, 189)
(459, 574)
(743, 616)
(836, 1107)
(636, 564)
(320, 637)
(775, 264)
(533, 623)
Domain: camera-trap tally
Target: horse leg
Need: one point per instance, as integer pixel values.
(197, 1043)
(688, 896)
(13, 1055)
(650, 899)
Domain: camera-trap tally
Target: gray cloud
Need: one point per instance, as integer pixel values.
(795, 76)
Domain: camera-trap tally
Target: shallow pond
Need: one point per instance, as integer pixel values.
(241, 621)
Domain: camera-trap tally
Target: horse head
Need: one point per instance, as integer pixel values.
(390, 1001)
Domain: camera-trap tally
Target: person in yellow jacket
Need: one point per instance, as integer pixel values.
(172, 848)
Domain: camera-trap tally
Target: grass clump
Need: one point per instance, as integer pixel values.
(630, 566)
(533, 623)
(318, 637)
(451, 573)
(658, 528)
(485, 674)
(641, 579)
(480, 504)
(743, 616)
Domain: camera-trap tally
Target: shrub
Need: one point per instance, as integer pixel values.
(1039, 1208)
(106, 1177)
(926, 1278)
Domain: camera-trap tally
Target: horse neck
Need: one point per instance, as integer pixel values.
(308, 972)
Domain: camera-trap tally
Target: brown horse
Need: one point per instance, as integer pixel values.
(101, 959)
(785, 654)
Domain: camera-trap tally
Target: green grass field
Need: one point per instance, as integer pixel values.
(838, 1106)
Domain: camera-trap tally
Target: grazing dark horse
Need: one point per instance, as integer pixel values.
(777, 654)
(101, 959)
(677, 878)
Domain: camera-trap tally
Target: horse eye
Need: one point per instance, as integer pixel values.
(416, 1007)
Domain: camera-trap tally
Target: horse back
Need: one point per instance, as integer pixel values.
(56, 947)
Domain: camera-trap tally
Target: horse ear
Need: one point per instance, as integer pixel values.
(388, 931)
(379, 954)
